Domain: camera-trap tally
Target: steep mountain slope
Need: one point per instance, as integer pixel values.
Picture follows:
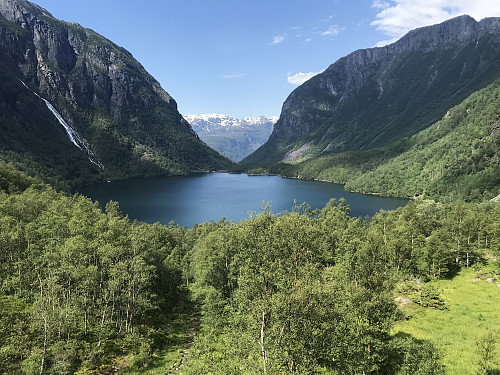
(230, 136)
(376, 96)
(120, 112)
(456, 158)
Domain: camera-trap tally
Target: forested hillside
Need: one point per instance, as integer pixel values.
(85, 290)
(456, 158)
(79, 285)
(122, 122)
(374, 97)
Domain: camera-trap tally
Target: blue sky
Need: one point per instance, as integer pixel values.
(243, 58)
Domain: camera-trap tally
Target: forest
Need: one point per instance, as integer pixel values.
(85, 290)
(455, 158)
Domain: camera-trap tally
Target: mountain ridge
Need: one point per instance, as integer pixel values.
(129, 121)
(375, 96)
(458, 157)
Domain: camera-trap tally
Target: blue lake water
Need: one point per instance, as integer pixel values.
(188, 200)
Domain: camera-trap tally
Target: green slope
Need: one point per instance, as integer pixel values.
(471, 313)
(131, 124)
(457, 157)
(374, 97)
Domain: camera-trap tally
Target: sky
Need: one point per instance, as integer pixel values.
(243, 58)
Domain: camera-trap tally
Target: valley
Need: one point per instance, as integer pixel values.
(125, 119)
(248, 279)
(195, 199)
(232, 137)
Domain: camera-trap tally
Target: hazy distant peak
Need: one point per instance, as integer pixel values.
(216, 119)
(232, 137)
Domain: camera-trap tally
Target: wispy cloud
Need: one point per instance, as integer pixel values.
(397, 17)
(322, 28)
(278, 39)
(300, 78)
(232, 76)
(332, 30)
(380, 4)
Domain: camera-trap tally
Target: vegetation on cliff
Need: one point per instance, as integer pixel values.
(456, 158)
(128, 121)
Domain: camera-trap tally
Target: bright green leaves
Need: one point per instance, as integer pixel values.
(267, 291)
(89, 280)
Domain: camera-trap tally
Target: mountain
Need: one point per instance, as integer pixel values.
(374, 97)
(458, 157)
(230, 136)
(75, 106)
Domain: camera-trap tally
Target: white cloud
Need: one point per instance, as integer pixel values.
(300, 78)
(380, 4)
(306, 34)
(232, 76)
(397, 17)
(383, 43)
(277, 39)
(333, 30)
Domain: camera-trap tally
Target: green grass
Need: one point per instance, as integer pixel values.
(181, 331)
(473, 310)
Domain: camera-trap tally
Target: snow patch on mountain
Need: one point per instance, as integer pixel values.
(232, 137)
(211, 121)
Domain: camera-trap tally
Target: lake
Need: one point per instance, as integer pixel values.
(188, 200)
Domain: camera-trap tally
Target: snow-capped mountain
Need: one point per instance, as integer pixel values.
(232, 137)
(208, 122)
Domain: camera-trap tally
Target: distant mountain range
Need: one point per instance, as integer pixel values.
(374, 97)
(232, 137)
(119, 121)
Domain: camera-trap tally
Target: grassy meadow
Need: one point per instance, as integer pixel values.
(472, 311)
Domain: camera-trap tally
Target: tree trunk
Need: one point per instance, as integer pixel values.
(262, 337)
(42, 364)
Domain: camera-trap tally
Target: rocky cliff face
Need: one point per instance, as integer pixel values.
(375, 96)
(101, 91)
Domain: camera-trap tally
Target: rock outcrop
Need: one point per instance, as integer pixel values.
(101, 91)
(375, 96)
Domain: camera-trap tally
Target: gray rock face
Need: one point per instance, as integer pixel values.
(354, 69)
(375, 96)
(98, 87)
(87, 69)
(21, 12)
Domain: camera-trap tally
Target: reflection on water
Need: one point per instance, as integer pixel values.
(188, 200)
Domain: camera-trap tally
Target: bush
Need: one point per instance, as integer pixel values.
(430, 296)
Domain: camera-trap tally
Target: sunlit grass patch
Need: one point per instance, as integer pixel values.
(472, 311)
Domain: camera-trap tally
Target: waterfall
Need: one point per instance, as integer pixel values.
(73, 136)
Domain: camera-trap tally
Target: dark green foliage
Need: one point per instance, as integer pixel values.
(308, 292)
(430, 297)
(131, 124)
(486, 351)
(79, 284)
(416, 357)
(373, 98)
(13, 181)
(304, 292)
(456, 158)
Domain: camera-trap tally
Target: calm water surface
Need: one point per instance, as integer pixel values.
(188, 200)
